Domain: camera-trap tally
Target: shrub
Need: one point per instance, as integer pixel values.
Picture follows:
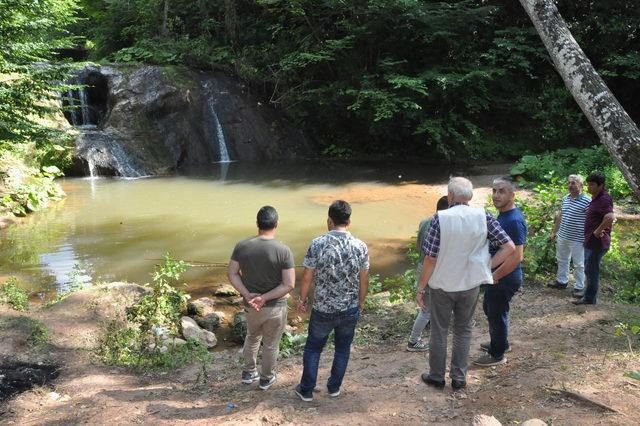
(15, 296)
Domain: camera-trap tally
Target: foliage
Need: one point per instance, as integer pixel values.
(292, 344)
(629, 331)
(34, 193)
(564, 162)
(15, 296)
(39, 335)
(140, 341)
(620, 264)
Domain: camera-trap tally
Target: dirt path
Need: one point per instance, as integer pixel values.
(555, 345)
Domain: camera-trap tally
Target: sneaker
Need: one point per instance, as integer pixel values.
(557, 284)
(488, 361)
(419, 346)
(458, 384)
(582, 301)
(266, 383)
(334, 393)
(249, 377)
(486, 345)
(578, 293)
(306, 396)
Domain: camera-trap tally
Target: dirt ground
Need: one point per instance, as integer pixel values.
(555, 346)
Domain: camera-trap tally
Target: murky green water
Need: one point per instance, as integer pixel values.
(109, 229)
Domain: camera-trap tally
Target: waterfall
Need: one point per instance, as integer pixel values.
(219, 133)
(72, 103)
(84, 106)
(79, 111)
(92, 168)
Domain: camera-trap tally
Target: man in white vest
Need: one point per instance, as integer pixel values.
(457, 262)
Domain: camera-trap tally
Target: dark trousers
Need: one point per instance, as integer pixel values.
(343, 324)
(592, 260)
(496, 308)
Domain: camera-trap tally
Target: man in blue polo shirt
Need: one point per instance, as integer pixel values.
(498, 296)
(568, 231)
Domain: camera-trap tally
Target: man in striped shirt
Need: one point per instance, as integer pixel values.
(569, 234)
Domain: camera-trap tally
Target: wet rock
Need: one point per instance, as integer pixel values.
(239, 327)
(484, 420)
(226, 290)
(202, 307)
(209, 322)
(191, 330)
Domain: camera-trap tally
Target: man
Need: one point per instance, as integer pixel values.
(262, 270)
(416, 344)
(498, 296)
(456, 262)
(597, 235)
(339, 264)
(568, 231)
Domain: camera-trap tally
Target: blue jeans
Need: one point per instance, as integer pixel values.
(592, 258)
(320, 326)
(496, 308)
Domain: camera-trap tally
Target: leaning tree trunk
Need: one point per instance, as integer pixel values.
(611, 122)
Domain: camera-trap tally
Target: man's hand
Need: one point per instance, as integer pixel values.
(302, 307)
(420, 299)
(249, 296)
(553, 236)
(257, 302)
(598, 233)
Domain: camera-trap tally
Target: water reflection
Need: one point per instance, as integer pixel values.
(115, 229)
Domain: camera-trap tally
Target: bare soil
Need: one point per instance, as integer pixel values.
(555, 346)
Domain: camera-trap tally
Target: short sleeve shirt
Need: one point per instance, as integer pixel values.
(515, 226)
(337, 259)
(598, 208)
(261, 264)
(574, 213)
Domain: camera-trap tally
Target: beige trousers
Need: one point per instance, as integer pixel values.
(267, 326)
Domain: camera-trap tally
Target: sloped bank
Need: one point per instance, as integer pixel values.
(152, 120)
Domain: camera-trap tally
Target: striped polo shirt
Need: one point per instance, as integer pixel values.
(574, 213)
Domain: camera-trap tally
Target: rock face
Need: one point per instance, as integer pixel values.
(152, 120)
(191, 330)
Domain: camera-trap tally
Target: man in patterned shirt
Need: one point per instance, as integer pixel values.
(339, 264)
(456, 263)
(568, 231)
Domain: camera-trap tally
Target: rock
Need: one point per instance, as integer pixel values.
(533, 422)
(235, 301)
(209, 322)
(191, 330)
(226, 290)
(202, 307)
(176, 341)
(239, 327)
(484, 420)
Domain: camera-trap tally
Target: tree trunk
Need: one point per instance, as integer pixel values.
(164, 28)
(231, 22)
(611, 122)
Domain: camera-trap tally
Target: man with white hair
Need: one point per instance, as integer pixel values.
(457, 262)
(568, 231)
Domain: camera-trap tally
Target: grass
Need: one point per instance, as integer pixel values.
(15, 296)
(40, 335)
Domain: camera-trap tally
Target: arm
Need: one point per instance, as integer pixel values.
(503, 253)
(556, 225)
(509, 264)
(233, 273)
(364, 287)
(607, 221)
(305, 283)
(427, 271)
(288, 283)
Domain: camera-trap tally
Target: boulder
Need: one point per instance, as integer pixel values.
(202, 307)
(209, 322)
(191, 330)
(534, 422)
(226, 290)
(239, 327)
(484, 420)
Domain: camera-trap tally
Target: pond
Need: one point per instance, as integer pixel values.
(118, 229)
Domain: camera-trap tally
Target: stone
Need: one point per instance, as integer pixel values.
(225, 290)
(239, 327)
(209, 322)
(191, 330)
(202, 307)
(533, 422)
(484, 420)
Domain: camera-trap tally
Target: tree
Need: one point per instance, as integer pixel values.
(614, 127)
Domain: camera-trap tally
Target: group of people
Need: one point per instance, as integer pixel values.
(462, 248)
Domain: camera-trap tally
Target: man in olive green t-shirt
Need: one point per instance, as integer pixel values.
(262, 270)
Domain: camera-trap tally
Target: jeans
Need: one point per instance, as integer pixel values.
(321, 324)
(592, 260)
(421, 321)
(442, 304)
(567, 251)
(496, 308)
(264, 326)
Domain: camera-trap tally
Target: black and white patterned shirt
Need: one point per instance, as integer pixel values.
(337, 259)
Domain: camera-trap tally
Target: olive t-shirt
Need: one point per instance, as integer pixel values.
(261, 264)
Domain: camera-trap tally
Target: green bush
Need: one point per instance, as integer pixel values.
(621, 266)
(15, 296)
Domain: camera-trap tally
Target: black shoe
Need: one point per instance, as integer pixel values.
(458, 384)
(485, 346)
(557, 284)
(306, 396)
(582, 301)
(266, 383)
(432, 382)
